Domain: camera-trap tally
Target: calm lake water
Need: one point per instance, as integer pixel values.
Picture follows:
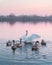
(25, 55)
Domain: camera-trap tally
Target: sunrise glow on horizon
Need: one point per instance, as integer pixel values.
(39, 7)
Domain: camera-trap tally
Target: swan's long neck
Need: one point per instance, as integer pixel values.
(26, 32)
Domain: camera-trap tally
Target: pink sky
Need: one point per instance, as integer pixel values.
(39, 7)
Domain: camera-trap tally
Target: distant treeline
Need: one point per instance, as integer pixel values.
(25, 18)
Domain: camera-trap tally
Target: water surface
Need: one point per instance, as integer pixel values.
(25, 55)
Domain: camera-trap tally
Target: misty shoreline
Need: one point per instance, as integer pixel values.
(25, 18)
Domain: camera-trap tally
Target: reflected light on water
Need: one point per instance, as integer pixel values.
(8, 31)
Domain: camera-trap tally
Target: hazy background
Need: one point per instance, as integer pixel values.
(20, 7)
